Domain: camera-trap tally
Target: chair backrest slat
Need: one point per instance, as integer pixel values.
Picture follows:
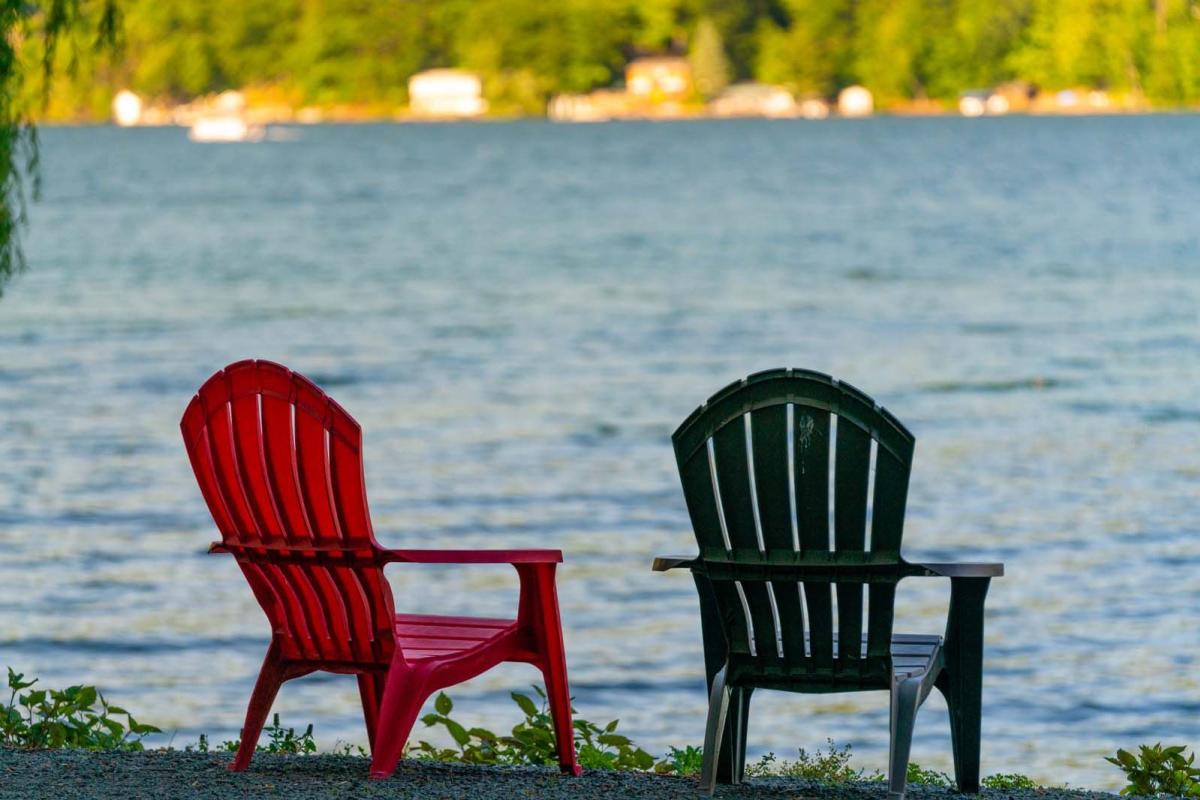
(762, 618)
(792, 630)
(702, 505)
(279, 440)
(280, 465)
(882, 597)
(728, 454)
(245, 416)
(891, 497)
(312, 452)
(850, 619)
(769, 434)
(287, 612)
(810, 434)
(793, 467)
(818, 598)
(336, 624)
(851, 475)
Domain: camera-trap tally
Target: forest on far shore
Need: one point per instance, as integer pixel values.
(362, 52)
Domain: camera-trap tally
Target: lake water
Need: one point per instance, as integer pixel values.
(520, 314)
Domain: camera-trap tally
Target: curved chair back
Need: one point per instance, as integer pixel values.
(280, 465)
(796, 486)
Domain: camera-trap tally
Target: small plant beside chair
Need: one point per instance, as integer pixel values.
(1157, 770)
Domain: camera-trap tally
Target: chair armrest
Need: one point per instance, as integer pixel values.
(959, 570)
(218, 547)
(664, 563)
(471, 556)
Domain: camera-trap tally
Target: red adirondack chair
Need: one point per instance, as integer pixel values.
(280, 466)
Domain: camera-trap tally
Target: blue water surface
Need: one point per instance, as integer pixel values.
(519, 315)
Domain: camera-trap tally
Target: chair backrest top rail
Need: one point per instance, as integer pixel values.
(810, 389)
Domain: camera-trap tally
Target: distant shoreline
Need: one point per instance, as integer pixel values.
(501, 119)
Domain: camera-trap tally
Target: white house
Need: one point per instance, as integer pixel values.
(754, 100)
(127, 108)
(855, 101)
(446, 93)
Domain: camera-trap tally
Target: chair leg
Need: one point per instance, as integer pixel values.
(560, 711)
(729, 768)
(714, 730)
(962, 680)
(906, 697)
(370, 689)
(540, 606)
(403, 695)
(270, 677)
(736, 724)
(963, 701)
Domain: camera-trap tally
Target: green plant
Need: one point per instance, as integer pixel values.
(1008, 781)
(77, 716)
(1159, 770)
(285, 740)
(687, 761)
(831, 767)
(279, 740)
(928, 777)
(604, 748)
(532, 740)
(348, 749)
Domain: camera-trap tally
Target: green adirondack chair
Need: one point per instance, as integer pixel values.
(796, 486)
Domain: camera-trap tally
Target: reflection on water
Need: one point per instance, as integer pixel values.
(520, 314)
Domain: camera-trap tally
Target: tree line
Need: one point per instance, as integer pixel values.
(328, 52)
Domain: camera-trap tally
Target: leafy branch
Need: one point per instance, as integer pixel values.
(28, 29)
(78, 716)
(1157, 770)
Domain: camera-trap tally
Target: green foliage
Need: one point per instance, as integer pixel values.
(812, 51)
(687, 761)
(927, 777)
(527, 50)
(285, 740)
(279, 740)
(1008, 781)
(1159, 770)
(76, 717)
(347, 749)
(532, 740)
(30, 35)
(823, 767)
(833, 767)
(710, 66)
(335, 52)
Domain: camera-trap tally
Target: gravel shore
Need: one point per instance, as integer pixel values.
(165, 775)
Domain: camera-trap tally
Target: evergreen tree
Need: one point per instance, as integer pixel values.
(710, 65)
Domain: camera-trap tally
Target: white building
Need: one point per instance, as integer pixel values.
(653, 76)
(446, 93)
(754, 100)
(855, 101)
(127, 108)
